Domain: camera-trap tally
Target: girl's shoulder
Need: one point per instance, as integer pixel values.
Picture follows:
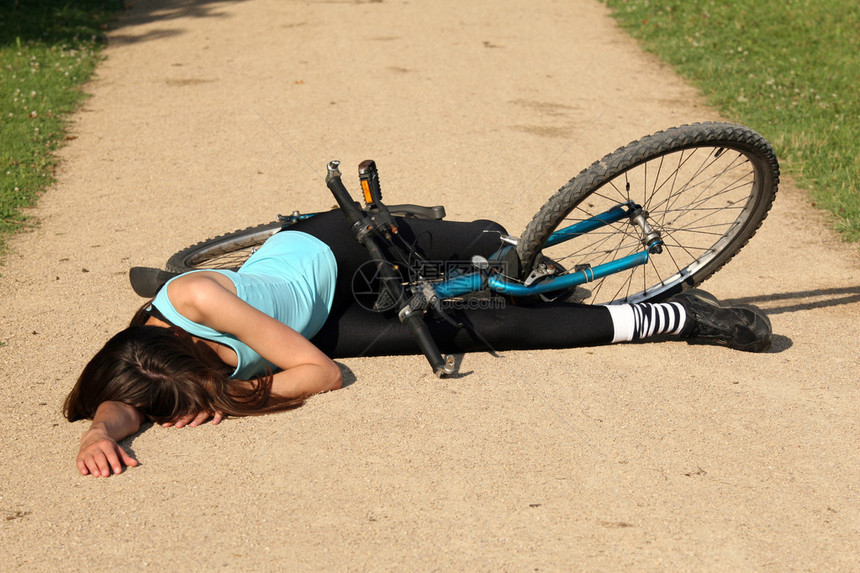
(197, 279)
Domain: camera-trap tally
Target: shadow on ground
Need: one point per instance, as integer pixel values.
(781, 303)
(62, 22)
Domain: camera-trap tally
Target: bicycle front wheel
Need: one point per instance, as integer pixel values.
(704, 188)
(228, 251)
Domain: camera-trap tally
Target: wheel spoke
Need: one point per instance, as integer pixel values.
(705, 200)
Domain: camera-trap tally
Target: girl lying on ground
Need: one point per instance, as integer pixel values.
(222, 343)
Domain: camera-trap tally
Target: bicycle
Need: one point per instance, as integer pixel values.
(655, 217)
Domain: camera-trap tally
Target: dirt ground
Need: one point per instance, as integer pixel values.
(212, 115)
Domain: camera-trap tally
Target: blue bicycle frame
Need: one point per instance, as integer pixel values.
(475, 281)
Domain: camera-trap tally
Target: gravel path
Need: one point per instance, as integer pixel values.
(208, 116)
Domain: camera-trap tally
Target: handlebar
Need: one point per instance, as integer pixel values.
(364, 228)
(350, 208)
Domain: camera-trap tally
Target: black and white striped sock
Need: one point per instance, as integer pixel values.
(641, 320)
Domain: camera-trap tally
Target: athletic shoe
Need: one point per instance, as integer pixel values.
(740, 326)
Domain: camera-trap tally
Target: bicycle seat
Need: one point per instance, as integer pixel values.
(417, 211)
(146, 281)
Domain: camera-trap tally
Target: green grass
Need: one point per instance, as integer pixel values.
(48, 49)
(787, 68)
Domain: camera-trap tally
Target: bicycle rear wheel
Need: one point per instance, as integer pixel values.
(705, 188)
(226, 251)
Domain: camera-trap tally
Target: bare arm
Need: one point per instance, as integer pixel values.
(100, 453)
(304, 368)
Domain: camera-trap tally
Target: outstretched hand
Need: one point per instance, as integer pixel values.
(194, 420)
(100, 455)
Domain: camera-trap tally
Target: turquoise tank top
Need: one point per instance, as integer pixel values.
(290, 278)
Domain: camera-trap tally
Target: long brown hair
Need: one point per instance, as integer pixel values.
(166, 374)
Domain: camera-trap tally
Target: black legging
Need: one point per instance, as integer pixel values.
(353, 330)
